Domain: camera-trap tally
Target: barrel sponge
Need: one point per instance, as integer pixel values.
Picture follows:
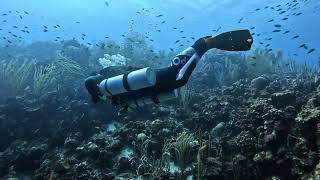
(113, 60)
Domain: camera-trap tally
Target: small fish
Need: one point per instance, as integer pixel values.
(4, 21)
(295, 54)
(9, 41)
(77, 22)
(295, 37)
(310, 51)
(183, 37)
(163, 22)
(271, 20)
(28, 32)
(277, 30)
(282, 12)
(160, 15)
(89, 44)
(15, 27)
(26, 12)
(45, 30)
(181, 45)
(14, 35)
(298, 14)
(267, 45)
(123, 35)
(83, 34)
(177, 41)
(266, 7)
(171, 49)
(253, 57)
(240, 20)
(174, 28)
(181, 18)
(4, 14)
(106, 3)
(252, 28)
(261, 43)
(45, 27)
(268, 39)
(193, 38)
(106, 37)
(258, 9)
(82, 38)
(286, 32)
(151, 40)
(181, 31)
(277, 26)
(26, 27)
(303, 45)
(284, 19)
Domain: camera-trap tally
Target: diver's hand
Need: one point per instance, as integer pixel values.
(91, 84)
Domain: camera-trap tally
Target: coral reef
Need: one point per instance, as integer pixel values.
(240, 117)
(114, 60)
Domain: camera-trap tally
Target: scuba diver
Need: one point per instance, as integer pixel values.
(139, 87)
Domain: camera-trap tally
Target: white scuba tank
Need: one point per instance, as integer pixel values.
(136, 80)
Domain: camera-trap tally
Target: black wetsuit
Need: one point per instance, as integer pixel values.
(179, 71)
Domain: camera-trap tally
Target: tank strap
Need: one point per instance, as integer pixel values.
(106, 88)
(125, 82)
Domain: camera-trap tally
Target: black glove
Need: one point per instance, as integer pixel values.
(91, 84)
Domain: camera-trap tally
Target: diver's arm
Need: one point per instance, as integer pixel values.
(188, 59)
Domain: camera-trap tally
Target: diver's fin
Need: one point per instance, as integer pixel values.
(239, 40)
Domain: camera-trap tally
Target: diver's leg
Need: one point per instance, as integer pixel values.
(239, 40)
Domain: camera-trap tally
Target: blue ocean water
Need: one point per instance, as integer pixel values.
(165, 21)
(86, 91)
